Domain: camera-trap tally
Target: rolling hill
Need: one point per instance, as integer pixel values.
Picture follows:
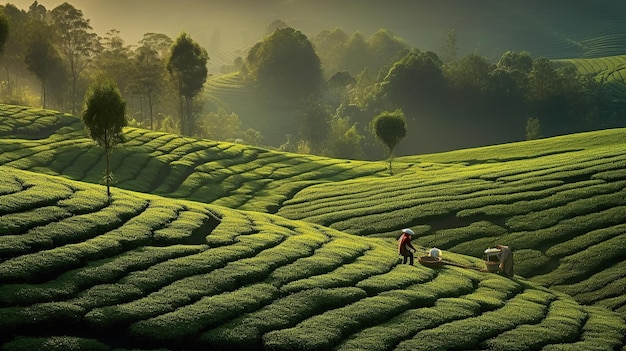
(216, 245)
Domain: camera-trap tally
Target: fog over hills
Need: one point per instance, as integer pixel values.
(489, 27)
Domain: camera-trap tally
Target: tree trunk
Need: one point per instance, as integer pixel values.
(107, 174)
(188, 119)
(150, 107)
(43, 93)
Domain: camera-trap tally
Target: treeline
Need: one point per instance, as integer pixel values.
(448, 102)
(58, 52)
(332, 85)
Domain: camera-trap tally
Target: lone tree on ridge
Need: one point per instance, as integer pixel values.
(390, 128)
(105, 117)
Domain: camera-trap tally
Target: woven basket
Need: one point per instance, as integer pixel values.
(430, 261)
(492, 266)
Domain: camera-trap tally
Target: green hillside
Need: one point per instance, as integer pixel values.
(144, 272)
(217, 245)
(229, 91)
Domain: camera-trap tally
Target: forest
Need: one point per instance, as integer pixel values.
(319, 93)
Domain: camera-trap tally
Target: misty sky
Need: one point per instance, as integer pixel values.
(227, 28)
(246, 19)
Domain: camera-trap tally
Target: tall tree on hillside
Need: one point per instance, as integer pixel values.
(390, 128)
(187, 67)
(115, 59)
(105, 117)
(78, 43)
(285, 66)
(15, 33)
(42, 58)
(4, 30)
(148, 76)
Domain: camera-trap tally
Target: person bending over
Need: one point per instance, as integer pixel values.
(405, 248)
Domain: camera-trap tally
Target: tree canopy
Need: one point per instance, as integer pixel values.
(390, 128)
(4, 30)
(285, 65)
(105, 117)
(77, 42)
(187, 67)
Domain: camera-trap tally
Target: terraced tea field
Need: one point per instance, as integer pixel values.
(211, 245)
(141, 272)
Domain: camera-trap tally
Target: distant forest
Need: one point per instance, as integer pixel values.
(330, 86)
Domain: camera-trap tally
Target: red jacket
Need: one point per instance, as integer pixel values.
(404, 243)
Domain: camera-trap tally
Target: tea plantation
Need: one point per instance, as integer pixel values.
(211, 245)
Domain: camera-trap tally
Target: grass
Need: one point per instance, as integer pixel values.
(211, 245)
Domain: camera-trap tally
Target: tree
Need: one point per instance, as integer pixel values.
(148, 76)
(78, 43)
(187, 67)
(272, 27)
(414, 82)
(221, 125)
(13, 31)
(285, 65)
(390, 128)
(470, 74)
(115, 59)
(533, 128)
(344, 139)
(105, 117)
(37, 11)
(149, 71)
(331, 48)
(314, 127)
(385, 48)
(4, 30)
(42, 59)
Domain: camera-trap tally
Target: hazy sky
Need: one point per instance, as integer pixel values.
(235, 18)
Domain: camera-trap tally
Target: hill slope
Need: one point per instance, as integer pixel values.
(78, 272)
(557, 202)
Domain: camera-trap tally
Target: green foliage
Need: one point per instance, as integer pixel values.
(246, 331)
(4, 30)
(189, 321)
(186, 65)
(56, 343)
(414, 82)
(353, 53)
(533, 129)
(285, 65)
(167, 273)
(399, 277)
(105, 116)
(390, 128)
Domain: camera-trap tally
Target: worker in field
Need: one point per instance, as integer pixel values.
(405, 248)
(506, 260)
